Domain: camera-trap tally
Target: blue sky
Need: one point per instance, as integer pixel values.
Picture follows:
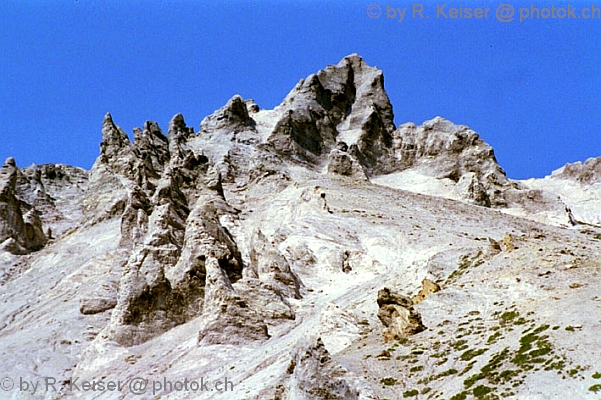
(531, 89)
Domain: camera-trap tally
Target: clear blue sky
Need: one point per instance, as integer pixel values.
(530, 89)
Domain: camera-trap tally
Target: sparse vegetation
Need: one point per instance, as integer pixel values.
(403, 341)
(389, 381)
(595, 388)
(481, 390)
(446, 373)
(460, 345)
(492, 339)
(469, 354)
(509, 315)
(465, 263)
(467, 368)
(504, 370)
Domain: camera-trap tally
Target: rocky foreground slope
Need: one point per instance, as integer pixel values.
(312, 251)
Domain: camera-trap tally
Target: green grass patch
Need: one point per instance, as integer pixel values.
(509, 315)
(467, 368)
(469, 354)
(481, 390)
(448, 372)
(460, 345)
(389, 381)
(494, 338)
(595, 388)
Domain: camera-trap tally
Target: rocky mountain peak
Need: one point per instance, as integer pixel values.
(20, 232)
(8, 175)
(233, 117)
(9, 162)
(311, 251)
(177, 127)
(342, 103)
(114, 139)
(588, 172)
(443, 150)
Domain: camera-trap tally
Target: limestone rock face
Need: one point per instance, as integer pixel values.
(56, 192)
(588, 172)
(442, 149)
(398, 315)
(123, 168)
(233, 117)
(315, 375)
(155, 225)
(227, 318)
(472, 190)
(341, 162)
(272, 266)
(11, 218)
(106, 194)
(346, 102)
(35, 238)
(229, 137)
(175, 232)
(18, 233)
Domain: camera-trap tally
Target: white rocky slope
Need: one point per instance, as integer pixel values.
(255, 254)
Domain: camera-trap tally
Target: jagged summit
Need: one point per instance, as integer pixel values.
(343, 103)
(19, 232)
(337, 121)
(588, 172)
(311, 251)
(234, 115)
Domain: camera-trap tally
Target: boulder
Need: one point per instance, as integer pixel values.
(397, 314)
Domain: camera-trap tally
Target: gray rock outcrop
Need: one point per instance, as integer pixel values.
(56, 192)
(441, 149)
(346, 102)
(587, 173)
(397, 314)
(272, 267)
(227, 318)
(342, 162)
(315, 375)
(183, 261)
(233, 117)
(19, 233)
